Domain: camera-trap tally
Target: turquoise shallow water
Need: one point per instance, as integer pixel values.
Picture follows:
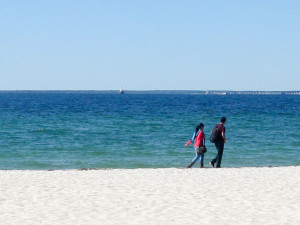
(72, 130)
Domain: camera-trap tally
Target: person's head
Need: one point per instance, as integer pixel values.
(200, 126)
(223, 119)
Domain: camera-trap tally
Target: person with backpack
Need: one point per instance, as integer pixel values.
(219, 139)
(199, 145)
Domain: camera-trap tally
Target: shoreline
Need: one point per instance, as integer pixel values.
(147, 168)
(246, 195)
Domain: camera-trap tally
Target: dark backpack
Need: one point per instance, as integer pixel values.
(215, 134)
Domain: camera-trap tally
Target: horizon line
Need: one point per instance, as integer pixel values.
(95, 90)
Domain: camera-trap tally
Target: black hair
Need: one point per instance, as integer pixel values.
(223, 119)
(199, 127)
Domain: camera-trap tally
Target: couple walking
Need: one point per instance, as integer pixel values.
(217, 137)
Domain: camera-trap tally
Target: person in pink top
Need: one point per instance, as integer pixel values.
(198, 139)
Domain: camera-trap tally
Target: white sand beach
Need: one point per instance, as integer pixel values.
(151, 196)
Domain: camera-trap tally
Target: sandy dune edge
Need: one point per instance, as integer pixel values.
(151, 196)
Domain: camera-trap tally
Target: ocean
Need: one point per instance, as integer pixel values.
(46, 130)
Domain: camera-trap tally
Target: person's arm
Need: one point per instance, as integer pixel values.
(223, 136)
(189, 142)
(222, 130)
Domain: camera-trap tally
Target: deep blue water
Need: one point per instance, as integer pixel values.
(72, 130)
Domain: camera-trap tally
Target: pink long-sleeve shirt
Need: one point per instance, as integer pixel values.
(198, 139)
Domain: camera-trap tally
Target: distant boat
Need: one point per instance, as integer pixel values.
(121, 91)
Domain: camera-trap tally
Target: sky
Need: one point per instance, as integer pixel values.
(150, 45)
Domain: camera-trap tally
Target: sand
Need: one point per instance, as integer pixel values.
(151, 196)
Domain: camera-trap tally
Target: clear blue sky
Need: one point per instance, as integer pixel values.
(150, 45)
